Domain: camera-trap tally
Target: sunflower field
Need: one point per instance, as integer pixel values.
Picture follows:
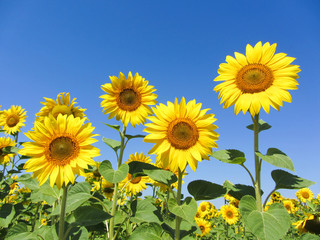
(52, 188)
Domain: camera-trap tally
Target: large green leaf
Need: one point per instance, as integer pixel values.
(204, 190)
(82, 187)
(247, 205)
(239, 190)
(277, 158)
(232, 156)
(147, 231)
(137, 168)
(143, 211)
(287, 180)
(162, 176)
(28, 181)
(113, 176)
(114, 144)
(88, 216)
(20, 231)
(309, 236)
(270, 225)
(262, 125)
(7, 212)
(187, 210)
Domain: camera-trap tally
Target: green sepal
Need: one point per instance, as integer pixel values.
(205, 190)
(232, 156)
(277, 158)
(262, 125)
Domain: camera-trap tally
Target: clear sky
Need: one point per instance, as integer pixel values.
(48, 47)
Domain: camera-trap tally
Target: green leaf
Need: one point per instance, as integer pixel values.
(7, 212)
(239, 190)
(287, 180)
(148, 231)
(28, 181)
(143, 211)
(247, 205)
(270, 225)
(232, 156)
(21, 227)
(113, 176)
(204, 190)
(262, 125)
(82, 187)
(46, 189)
(114, 144)
(134, 136)
(10, 149)
(186, 211)
(309, 236)
(137, 168)
(162, 176)
(88, 216)
(76, 200)
(116, 127)
(277, 158)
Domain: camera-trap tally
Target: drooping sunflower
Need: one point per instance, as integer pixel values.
(204, 226)
(261, 78)
(304, 194)
(311, 223)
(63, 105)
(128, 99)
(12, 119)
(61, 148)
(289, 205)
(183, 134)
(6, 142)
(107, 188)
(134, 185)
(230, 214)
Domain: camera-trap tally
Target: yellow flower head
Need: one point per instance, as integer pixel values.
(60, 149)
(230, 214)
(276, 197)
(128, 99)
(204, 226)
(63, 105)
(304, 194)
(183, 134)
(44, 222)
(261, 78)
(12, 119)
(310, 223)
(289, 205)
(6, 142)
(107, 189)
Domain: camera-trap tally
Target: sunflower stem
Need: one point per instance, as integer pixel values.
(257, 185)
(62, 212)
(178, 219)
(115, 196)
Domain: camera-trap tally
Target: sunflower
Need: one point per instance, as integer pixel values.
(44, 222)
(134, 185)
(6, 142)
(63, 105)
(289, 205)
(61, 149)
(310, 223)
(128, 98)
(230, 214)
(204, 226)
(304, 194)
(13, 119)
(204, 207)
(107, 188)
(276, 197)
(183, 134)
(261, 78)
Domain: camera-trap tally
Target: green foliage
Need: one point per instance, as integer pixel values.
(28, 181)
(137, 168)
(262, 125)
(7, 212)
(128, 136)
(147, 231)
(87, 216)
(162, 176)
(239, 190)
(114, 144)
(115, 127)
(277, 158)
(187, 210)
(287, 180)
(204, 190)
(232, 156)
(113, 176)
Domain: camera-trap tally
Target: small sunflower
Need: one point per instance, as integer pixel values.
(61, 148)
(134, 185)
(204, 226)
(204, 207)
(6, 142)
(12, 119)
(304, 194)
(276, 197)
(44, 222)
(107, 189)
(261, 78)
(289, 205)
(230, 214)
(63, 105)
(183, 134)
(128, 99)
(311, 223)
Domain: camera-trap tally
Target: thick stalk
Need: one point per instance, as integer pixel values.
(257, 185)
(178, 219)
(115, 196)
(62, 212)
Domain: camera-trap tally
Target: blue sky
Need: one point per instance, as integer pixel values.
(48, 47)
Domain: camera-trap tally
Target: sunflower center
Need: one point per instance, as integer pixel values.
(12, 120)
(229, 214)
(129, 100)
(182, 133)
(254, 78)
(62, 150)
(135, 180)
(203, 208)
(202, 228)
(287, 206)
(108, 190)
(305, 195)
(63, 109)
